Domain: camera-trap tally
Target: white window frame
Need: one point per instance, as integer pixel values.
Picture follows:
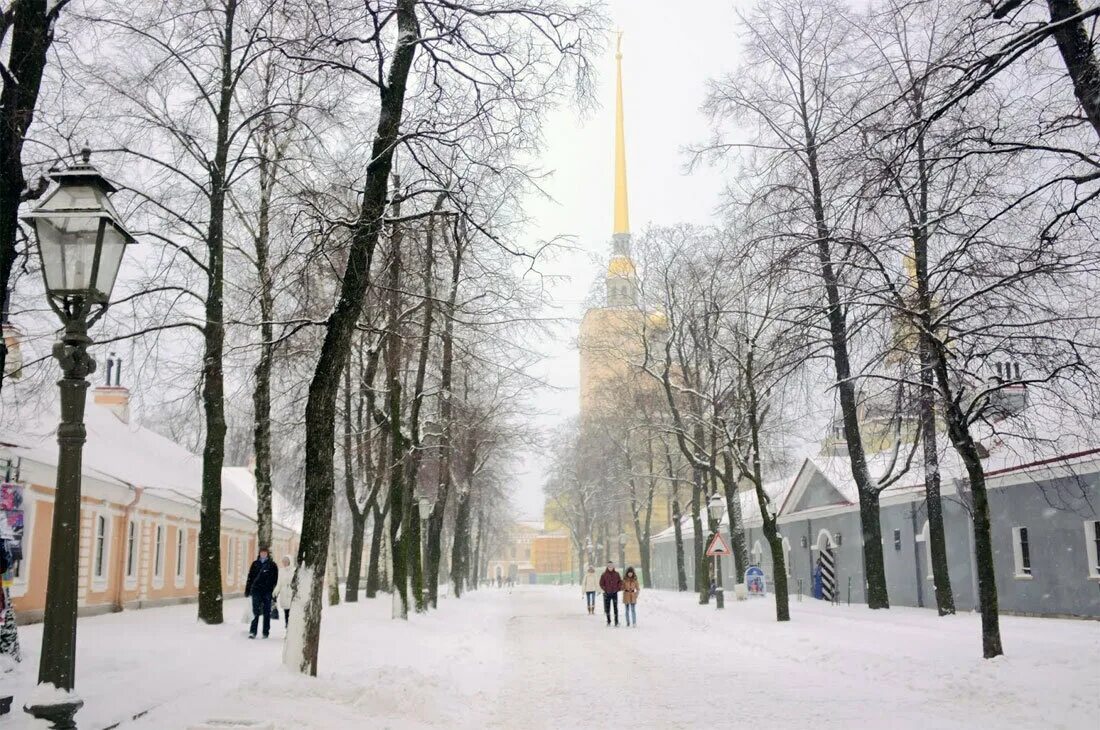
(181, 556)
(133, 554)
(1091, 530)
(924, 536)
(101, 551)
(1020, 571)
(158, 555)
(230, 560)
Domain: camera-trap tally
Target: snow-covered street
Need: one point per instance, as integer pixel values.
(531, 657)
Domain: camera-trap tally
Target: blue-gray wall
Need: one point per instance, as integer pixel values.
(1054, 511)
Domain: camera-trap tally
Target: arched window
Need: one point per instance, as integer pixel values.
(757, 553)
(824, 541)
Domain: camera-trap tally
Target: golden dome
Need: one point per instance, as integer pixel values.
(621, 266)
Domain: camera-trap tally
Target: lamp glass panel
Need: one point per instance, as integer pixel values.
(67, 244)
(110, 259)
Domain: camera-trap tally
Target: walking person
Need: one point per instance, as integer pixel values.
(282, 594)
(611, 583)
(631, 588)
(589, 586)
(263, 576)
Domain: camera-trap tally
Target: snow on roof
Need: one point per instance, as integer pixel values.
(750, 508)
(283, 511)
(127, 454)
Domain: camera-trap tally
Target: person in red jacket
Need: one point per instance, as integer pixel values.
(611, 583)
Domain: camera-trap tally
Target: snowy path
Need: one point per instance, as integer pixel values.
(532, 658)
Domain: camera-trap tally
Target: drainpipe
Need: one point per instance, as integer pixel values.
(122, 552)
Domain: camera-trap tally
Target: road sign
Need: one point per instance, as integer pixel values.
(718, 547)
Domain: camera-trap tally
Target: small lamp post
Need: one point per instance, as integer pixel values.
(715, 506)
(81, 242)
(425, 513)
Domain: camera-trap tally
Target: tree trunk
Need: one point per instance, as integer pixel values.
(460, 548)
(261, 396)
(681, 570)
(351, 493)
(873, 563)
(959, 434)
(333, 574)
(945, 597)
(213, 387)
(355, 560)
(1077, 52)
(321, 403)
(779, 564)
(446, 417)
(702, 582)
(733, 509)
(378, 529)
(31, 34)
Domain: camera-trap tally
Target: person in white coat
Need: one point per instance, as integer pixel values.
(282, 589)
(589, 585)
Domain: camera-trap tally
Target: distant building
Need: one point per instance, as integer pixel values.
(139, 521)
(1045, 522)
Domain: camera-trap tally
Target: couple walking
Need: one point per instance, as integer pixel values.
(610, 583)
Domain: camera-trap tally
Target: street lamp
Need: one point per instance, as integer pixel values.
(715, 506)
(81, 241)
(425, 513)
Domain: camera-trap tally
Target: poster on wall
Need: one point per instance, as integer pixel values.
(755, 582)
(11, 505)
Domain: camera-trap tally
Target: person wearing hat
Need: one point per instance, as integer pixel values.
(263, 576)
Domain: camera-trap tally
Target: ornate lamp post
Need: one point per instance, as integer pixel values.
(715, 506)
(81, 242)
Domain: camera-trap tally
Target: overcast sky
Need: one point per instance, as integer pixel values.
(668, 55)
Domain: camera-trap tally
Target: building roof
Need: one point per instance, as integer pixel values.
(127, 454)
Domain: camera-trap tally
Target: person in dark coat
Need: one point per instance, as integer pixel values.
(263, 576)
(611, 583)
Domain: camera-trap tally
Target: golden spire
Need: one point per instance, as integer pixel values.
(622, 215)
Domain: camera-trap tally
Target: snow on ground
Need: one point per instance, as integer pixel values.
(532, 658)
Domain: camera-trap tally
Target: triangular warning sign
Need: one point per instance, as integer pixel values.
(718, 547)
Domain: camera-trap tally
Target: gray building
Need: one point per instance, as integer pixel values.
(1045, 515)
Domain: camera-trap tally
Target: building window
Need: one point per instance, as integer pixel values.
(1092, 547)
(897, 540)
(158, 553)
(1021, 549)
(100, 545)
(131, 549)
(180, 558)
(757, 553)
